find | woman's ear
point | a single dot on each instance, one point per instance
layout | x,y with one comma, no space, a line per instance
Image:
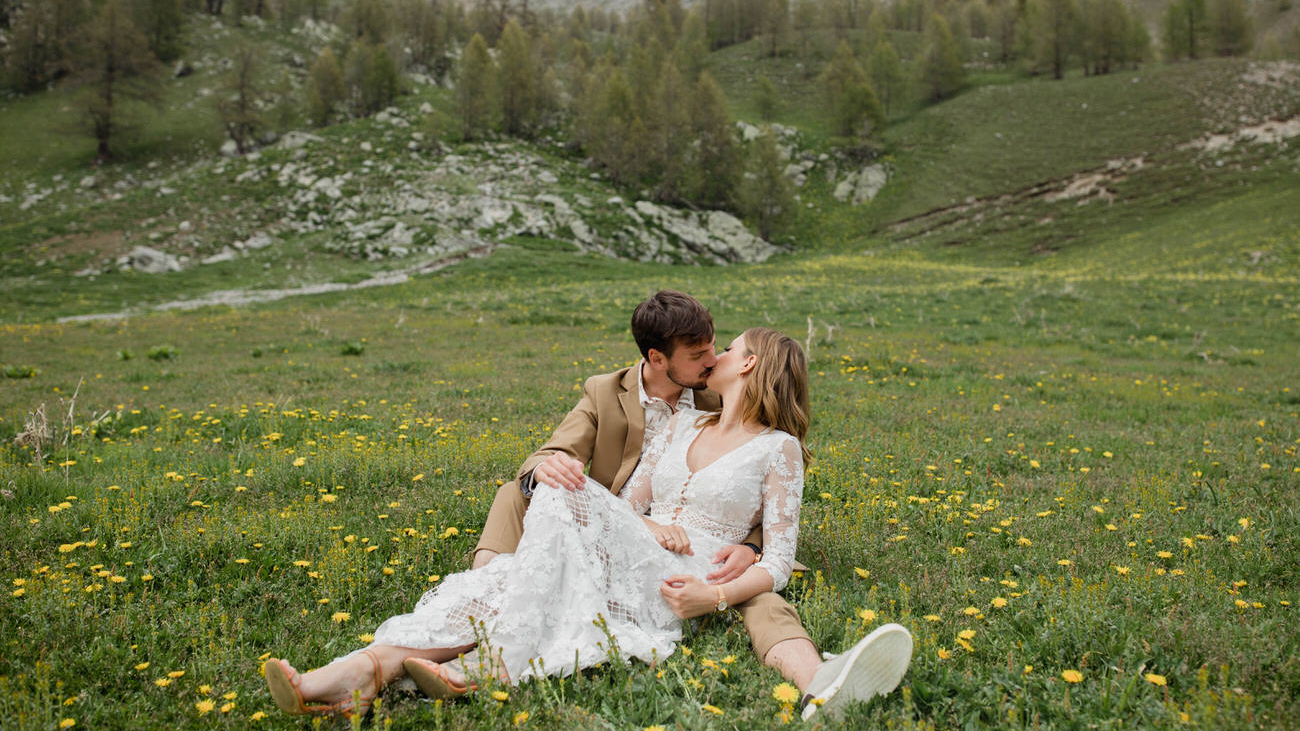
749,364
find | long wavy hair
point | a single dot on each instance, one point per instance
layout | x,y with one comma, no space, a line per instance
775,393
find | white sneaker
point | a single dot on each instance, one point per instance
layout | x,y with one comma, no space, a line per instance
872,667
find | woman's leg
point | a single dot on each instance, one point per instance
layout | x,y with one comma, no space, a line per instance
335,682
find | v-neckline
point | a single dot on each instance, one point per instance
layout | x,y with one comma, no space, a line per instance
686,460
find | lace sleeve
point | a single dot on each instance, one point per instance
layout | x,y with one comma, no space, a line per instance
638,490
782,495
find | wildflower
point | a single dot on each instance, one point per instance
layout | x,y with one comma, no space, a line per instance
232,695
176,674
1121,570
1034,463
967,634
205,706
785,693
146,577
998,602
867,615
1064,562
227,707
366,637
944,654
521,718
300,462
1154,679
711,709
257,716
340,617
418,477
931,618
1072,676
1243,522
162,682
970,611
1164,554
18,592
142,666
1024,541
67,723
205,689
862,573
451,531
500,695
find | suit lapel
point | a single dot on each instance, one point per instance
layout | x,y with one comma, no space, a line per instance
630,400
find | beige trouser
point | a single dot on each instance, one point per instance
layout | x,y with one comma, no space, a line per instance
769,619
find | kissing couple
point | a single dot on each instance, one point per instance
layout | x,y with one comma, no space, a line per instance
671,491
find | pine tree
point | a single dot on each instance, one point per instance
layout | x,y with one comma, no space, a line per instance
887,75
1231,27
325,89
240,96
1004,21
717,161
38,48
855,111
1057,34
775,25
477,95
766,197
941,65
1185,29
380,80
518,81
162,22
668,121
115,66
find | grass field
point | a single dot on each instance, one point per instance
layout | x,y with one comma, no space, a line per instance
1057,441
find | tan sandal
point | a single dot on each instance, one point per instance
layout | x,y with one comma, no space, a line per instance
283,682
433,680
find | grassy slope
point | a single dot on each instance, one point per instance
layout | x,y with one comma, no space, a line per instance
1116,399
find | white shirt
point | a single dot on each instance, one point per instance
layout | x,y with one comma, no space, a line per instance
657,413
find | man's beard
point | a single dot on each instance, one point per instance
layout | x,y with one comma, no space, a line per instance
676,377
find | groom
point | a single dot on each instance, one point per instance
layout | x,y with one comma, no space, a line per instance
618,416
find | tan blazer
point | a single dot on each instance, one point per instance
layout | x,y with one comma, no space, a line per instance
606,428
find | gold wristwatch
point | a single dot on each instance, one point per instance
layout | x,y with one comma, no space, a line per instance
722,600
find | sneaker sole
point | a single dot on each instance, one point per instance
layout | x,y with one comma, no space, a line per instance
876,666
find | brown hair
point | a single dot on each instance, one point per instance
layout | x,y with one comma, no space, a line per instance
668,319
776,392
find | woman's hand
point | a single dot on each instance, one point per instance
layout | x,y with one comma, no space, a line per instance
560,470
671,537
687,596
733,561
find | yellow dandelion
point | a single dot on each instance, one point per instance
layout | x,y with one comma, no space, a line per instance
1155,679
1064,562
418,477
500,695
711,709
162,682
931,618
146,577
867,615
300,462
1071,676
227,707
520,717
366,637
257,716
205,706
998,602
142,666
970,611
785,693
1164,554
1243,522
340,617
1121,570
232,695
943,654
18,592
862,573
967,634
1024,541
176,674
205,689
67,723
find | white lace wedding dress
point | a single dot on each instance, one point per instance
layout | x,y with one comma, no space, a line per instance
586,555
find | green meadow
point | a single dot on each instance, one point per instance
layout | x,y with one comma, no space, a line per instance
1056,440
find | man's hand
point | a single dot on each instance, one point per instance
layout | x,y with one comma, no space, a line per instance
687,596
735,560
560,470
671,537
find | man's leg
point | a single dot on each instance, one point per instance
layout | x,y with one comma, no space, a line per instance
779,638
504,526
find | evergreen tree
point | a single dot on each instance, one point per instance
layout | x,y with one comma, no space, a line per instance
421,28
1004,21
1057,34
668,121
692,46
325,89
1231,29
239,97
367,20
1185,29
517,81
38,47
941,64
115,66
887,75
162,22
380,80
854,109
766,197
775,25
1105,35
717,162
477,95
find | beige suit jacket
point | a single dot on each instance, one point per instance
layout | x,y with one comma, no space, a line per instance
606,429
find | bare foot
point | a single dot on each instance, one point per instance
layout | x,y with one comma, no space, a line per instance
335,682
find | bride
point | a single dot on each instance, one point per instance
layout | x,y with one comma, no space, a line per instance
595,569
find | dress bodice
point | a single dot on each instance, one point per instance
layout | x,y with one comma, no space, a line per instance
758,482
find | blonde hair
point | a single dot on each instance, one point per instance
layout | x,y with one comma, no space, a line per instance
776,392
